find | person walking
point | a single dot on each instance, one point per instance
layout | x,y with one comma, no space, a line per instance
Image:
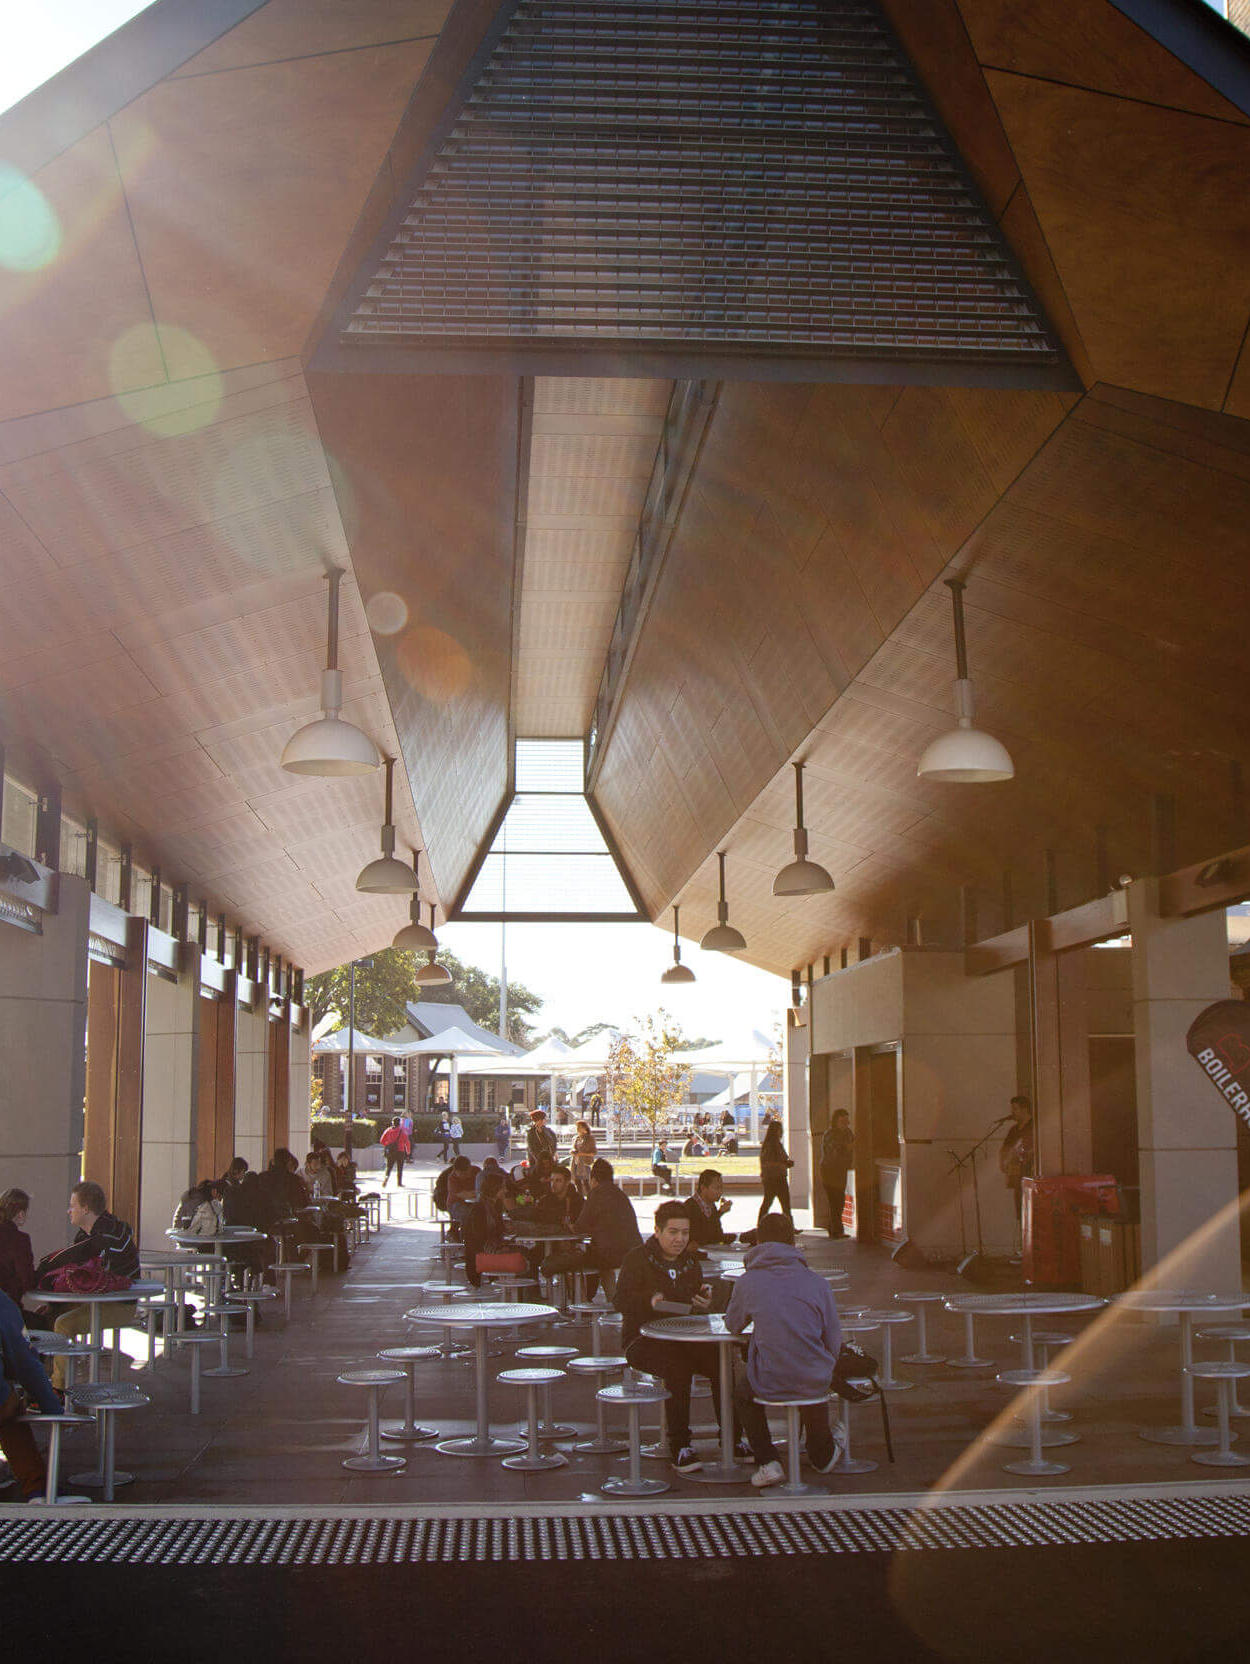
503,1136
584,1152
398,1147
774,1170
837,1150
443,1134
456,1133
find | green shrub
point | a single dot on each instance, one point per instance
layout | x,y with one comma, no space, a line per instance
332,1130
478,1129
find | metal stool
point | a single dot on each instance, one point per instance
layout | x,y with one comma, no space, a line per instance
54,1424
375,1380
314,1250
848,1463
223,1314
921,1298
1225,1375
549,1356
288,1269
532,1459
409,1357
970,1360
1048,1341
1022,1437
510,1284
633,1397
597,1317
1230,1334
793,1485
149,1312
253,1297
1034,1382
105,1399
195,1339
887,1318
448,1293
51,1345
602,1444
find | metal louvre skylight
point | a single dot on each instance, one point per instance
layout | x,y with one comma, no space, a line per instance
549,859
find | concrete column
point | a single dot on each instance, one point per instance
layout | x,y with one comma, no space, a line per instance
43,1025
170,1067
250,1066
797,1115
1059,1043
1186,1132
300,1081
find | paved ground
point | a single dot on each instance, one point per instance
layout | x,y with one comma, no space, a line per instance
279,1433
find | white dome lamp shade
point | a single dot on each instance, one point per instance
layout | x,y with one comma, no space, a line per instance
723,938
964,756
432,975
387,876
677,972
415,937
331,746
801,877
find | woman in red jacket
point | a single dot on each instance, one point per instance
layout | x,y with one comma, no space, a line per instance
17,1259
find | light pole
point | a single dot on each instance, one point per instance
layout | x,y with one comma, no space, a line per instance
351,1052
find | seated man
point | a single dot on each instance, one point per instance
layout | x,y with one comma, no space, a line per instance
461,1193
662,1271
610,1222
20,1367
99,1236
660,1168
794,1346
706,1209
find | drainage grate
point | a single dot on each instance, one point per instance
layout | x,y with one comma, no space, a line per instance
672,1535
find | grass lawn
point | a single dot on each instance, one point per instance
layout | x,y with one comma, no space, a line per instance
738,1167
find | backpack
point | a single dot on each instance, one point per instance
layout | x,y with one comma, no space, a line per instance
855,1380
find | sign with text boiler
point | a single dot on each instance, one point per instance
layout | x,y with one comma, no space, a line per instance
1219,1042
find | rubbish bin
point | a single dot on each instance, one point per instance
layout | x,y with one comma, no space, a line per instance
1051,1211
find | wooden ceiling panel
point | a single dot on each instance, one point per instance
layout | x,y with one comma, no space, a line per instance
307,28
1161,218
77,292
225,177
1093,46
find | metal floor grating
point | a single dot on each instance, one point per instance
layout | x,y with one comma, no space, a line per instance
257,1540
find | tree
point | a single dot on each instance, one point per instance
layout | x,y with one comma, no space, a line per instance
478,992
643,1077
386,983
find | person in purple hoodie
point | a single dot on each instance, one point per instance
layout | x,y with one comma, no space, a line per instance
794,1345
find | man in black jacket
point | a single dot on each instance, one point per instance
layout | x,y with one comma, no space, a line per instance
611,1224
666,1271
706,1209
99,1236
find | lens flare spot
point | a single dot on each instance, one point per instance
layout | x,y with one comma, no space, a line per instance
164,379
30,232
387,613
435,664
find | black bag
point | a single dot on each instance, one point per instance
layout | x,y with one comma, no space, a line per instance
855,1380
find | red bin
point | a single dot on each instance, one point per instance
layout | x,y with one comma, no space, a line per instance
1051,1211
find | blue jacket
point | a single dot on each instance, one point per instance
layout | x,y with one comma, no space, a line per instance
797,1336
20,1362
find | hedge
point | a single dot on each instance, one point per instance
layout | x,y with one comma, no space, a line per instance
368,1129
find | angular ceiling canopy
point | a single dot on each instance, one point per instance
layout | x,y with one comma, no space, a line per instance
698,178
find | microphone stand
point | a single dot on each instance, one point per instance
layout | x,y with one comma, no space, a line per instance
970,1264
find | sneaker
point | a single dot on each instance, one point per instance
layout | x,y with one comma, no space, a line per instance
770,1473
839,1450
686,1461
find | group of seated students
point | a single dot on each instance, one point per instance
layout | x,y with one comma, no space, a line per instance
103,1247
794,1342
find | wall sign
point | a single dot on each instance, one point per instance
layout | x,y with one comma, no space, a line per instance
1219,1042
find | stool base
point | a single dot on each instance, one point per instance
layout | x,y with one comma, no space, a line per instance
720,1473
95,1479
535,1464
494,1445
1220,1459
1180,1435
1023,1440
619,1485
1036,1470
410,1435
600,1447
848,1464
374,1464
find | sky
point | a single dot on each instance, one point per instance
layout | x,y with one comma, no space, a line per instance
611,974
40,39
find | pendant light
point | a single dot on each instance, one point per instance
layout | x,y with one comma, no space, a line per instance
386,876
723,938
331,746
677,972
432,975
414,937
801,877
964,756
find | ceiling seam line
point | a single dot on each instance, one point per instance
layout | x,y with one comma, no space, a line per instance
1120,97
295,58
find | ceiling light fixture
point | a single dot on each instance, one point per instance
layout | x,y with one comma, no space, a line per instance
801,877
964,756
386,876
723,938
677,972
414,937
432,975
331,746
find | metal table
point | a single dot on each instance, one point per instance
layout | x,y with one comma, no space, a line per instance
710,1326
481,1318
1187,1304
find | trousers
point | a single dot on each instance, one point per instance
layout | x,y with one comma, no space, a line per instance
754,1419
677,1363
